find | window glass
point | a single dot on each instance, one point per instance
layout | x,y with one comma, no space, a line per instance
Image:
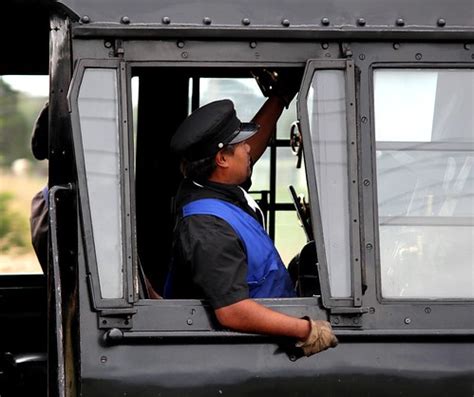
289,235
21,175
98,112
327,118
424,128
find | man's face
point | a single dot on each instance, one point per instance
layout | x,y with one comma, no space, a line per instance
240,163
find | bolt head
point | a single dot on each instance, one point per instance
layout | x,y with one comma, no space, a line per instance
85,19
361,22
207,21
166,20
325,21
441,22
125,20
246,21
400,22
285,22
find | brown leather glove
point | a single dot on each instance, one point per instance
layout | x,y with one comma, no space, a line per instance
320,338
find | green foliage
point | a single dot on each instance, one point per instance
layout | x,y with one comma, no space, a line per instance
17,115
13,226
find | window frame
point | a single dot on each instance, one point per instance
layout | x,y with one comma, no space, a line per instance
347,66
398,145
126,160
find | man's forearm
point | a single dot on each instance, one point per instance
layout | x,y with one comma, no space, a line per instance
266,117
250,316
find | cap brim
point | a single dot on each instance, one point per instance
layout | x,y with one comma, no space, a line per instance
246,130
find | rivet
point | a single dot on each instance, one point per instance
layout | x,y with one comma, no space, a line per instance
418,56
364,119
400,22
366,182
467,46
407,321
324,46
292,357
325,21
180,44
107,44
369,246
361,22
85,19
427,310
362,57
285,23
253,44
125,20
372,310
207,21
166,20
184,54
103,359
396,46
246,21
441,22
336,320
189,321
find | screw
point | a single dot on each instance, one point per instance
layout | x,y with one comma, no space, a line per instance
418,56
366,182
184,54
103,359
107,44
355,321
336,320
400,22
427,310
253,44
369,246
189,321
325,46
396,46
372,310
166,20
285,23
362,57
441,22
180,44
125,20
325,21
361,22
85,19
207,21
292,357
408,321
364,119
467,46
246,21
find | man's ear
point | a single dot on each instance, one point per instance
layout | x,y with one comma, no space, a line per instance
221,159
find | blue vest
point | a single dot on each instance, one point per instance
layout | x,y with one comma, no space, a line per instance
267,277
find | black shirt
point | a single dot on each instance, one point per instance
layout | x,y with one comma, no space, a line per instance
209,260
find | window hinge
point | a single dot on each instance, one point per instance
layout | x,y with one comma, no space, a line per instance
347,316
116,318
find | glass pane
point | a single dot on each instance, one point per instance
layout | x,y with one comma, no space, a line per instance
21,175
98,112
425,190
327,117
289,235
244,92
288,174
261,173
286,119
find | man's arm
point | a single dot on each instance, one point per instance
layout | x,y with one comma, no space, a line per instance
267,118
250,316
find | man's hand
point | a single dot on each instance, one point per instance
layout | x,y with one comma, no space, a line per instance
284,83
320,338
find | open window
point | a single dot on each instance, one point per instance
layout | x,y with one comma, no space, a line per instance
101,146
326,109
